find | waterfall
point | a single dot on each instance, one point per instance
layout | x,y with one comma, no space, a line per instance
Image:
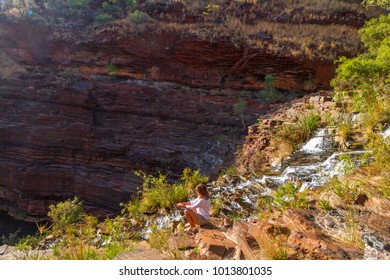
319,143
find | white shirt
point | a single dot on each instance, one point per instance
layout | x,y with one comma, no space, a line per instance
202,206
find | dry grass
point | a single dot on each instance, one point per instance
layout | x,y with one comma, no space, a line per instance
273,247
309,40
313,29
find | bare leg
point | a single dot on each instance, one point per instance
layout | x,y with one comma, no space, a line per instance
191,217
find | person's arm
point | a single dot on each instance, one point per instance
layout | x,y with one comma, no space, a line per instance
195,204
182,204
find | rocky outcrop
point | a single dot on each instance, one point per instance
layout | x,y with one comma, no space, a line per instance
257,152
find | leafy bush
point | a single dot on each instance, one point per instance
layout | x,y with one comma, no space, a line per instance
310,122
139,17
288,196
103,18
191,178
324,205
380,148
365,78
347,191
66,213
270,93
217,205
111,69
77,4
158,193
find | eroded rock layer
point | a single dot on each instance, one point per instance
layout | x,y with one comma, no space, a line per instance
82,111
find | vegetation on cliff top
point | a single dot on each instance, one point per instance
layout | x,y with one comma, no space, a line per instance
311,29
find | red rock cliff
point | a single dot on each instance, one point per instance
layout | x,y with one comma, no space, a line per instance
145,101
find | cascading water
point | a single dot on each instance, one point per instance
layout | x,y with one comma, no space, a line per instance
319,143
310,167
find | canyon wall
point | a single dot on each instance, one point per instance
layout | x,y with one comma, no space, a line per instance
135,101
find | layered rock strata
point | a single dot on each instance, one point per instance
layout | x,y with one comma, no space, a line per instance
85,108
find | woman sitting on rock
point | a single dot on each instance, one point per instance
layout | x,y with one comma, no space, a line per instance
201,204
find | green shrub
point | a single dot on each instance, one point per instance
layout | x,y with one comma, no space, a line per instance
365,78
159,238
135,209
191,178
288,196
139,17
77,4
66,213
103,18
111,69
347,191
310,122
297,133
217,205
158,193
269,93
349,164
324,205
380,150
343,131
28,242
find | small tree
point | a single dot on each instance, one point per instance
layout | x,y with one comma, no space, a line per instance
269,93
239,110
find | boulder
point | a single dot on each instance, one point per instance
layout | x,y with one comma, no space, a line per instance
215,245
